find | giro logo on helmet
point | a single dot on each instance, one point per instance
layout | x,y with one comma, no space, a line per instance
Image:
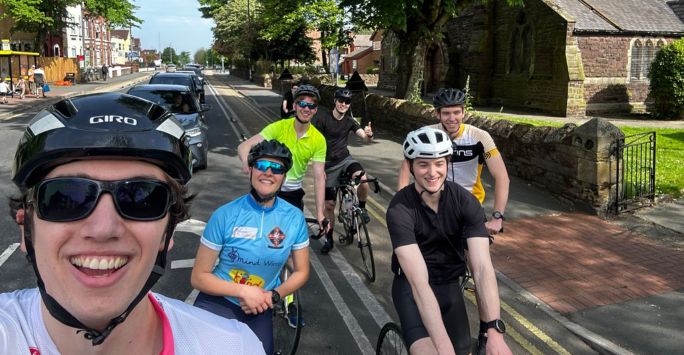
113,118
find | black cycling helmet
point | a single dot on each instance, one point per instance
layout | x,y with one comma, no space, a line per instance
343,93
448,97
270,149
307,89
92,127
97,125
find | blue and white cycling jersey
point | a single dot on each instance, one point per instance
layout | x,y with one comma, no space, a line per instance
254,242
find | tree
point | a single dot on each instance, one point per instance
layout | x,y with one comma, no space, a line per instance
417,24
667,81
169,56
45,17
200,56
324,16
183,58
149,58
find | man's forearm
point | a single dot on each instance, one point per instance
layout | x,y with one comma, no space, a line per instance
488,293
319,185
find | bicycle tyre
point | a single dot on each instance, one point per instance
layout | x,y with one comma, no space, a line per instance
365,247
286,338
345,238
391,341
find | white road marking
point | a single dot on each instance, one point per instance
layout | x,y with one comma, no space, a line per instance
8,252
182,264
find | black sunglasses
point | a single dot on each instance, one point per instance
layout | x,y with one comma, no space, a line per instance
344,101
66,199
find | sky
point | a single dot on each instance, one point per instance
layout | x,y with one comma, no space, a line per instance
174,23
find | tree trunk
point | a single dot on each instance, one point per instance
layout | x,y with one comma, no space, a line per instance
411,66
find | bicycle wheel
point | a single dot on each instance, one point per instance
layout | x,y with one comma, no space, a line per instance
365,246
287,326
390,341
342,216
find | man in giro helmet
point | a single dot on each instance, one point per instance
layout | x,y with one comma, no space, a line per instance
335,127
305,142
473,148
252,237
102,180
433,224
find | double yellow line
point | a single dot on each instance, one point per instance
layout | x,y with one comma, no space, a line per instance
378,211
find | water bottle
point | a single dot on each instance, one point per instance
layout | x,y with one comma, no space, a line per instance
348,204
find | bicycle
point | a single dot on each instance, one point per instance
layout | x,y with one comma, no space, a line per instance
287,324
349,214
391,341
287,314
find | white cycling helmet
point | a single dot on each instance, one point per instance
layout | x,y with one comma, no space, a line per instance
428,143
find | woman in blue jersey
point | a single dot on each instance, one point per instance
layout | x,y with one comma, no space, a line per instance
252,238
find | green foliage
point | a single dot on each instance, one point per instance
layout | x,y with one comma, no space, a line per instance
468,104
169,56
200,56
667,81
372,70
184,58
119,13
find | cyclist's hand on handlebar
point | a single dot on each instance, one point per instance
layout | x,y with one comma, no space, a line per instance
494,226
254,300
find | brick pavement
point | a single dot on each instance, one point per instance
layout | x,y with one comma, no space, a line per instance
574,261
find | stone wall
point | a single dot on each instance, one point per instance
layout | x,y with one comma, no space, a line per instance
573,163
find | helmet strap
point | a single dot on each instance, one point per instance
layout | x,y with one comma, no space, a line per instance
63,316
260,200
299,120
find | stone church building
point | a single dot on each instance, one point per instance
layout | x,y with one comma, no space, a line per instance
560,57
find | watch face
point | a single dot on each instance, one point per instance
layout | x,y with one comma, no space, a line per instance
497,215
500,326
275,297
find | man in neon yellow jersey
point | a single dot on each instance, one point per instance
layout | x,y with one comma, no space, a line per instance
306,144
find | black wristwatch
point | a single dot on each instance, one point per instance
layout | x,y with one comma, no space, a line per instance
498,215
275,296
497,324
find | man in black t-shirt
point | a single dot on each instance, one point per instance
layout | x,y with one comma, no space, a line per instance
434,226
287,105
335,127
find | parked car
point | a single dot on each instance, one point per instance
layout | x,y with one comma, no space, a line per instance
199,82
181,101
179,79
170,68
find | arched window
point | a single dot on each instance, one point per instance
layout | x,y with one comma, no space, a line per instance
649,55
521,49
643,54
635,66
56,51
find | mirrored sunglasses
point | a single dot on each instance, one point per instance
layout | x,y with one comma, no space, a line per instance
304,104
264,165
67,199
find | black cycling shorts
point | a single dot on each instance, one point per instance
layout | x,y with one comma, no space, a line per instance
294,197
452,307
351,169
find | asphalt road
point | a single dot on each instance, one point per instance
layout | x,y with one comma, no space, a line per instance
342,310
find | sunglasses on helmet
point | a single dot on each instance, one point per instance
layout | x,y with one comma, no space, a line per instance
344,101
304,104
67,199
264,165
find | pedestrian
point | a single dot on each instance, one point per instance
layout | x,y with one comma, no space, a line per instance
98,209
39,77
32,80
4,91
287,107
105,71
21,86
